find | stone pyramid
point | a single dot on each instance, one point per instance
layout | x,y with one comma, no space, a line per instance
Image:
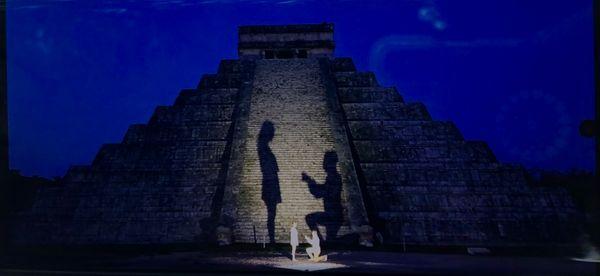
289,133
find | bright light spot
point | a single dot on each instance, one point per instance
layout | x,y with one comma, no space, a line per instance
309,266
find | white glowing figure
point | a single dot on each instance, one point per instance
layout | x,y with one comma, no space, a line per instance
314,251
294,240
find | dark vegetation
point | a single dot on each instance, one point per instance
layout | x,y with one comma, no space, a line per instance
581,186
24,188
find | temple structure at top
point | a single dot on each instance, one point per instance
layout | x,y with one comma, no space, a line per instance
289,133
286,41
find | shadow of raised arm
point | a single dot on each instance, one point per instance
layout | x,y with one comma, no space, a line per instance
315,189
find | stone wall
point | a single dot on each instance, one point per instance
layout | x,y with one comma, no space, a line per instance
314,39
161,184
428,186
289,133
264,143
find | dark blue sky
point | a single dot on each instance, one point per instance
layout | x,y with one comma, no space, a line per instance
517,74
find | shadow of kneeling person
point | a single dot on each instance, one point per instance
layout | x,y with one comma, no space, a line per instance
331,193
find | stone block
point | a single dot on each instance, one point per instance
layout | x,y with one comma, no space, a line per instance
343,65
355,79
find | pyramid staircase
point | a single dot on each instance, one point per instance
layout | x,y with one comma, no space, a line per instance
195,166
291,95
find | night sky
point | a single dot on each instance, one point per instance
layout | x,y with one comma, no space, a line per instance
517,74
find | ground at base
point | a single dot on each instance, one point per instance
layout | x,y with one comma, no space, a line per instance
278,261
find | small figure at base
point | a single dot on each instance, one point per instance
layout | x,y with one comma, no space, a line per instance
294,240
314,251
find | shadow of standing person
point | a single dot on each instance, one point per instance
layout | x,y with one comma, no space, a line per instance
271,194
331,192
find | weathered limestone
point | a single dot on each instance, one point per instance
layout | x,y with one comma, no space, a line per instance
272,140
426,185
291,95
287,41
160,185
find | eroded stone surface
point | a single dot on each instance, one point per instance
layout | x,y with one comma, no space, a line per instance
429,186
290,95
157,186
201,171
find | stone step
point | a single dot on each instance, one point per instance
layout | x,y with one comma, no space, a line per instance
451,198
205,175
281,234
174,155
461,151
368,94
343,64
157,186
435,165
116,231
478,228
290,97
447,188
431,202
424,142
94,171
234,66
171,205
392,111
408,131
399,174
214,81
203,131
355,79
190,114
209,96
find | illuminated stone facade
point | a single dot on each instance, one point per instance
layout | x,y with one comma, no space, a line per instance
289,133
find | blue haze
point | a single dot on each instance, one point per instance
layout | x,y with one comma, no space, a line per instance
517,74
